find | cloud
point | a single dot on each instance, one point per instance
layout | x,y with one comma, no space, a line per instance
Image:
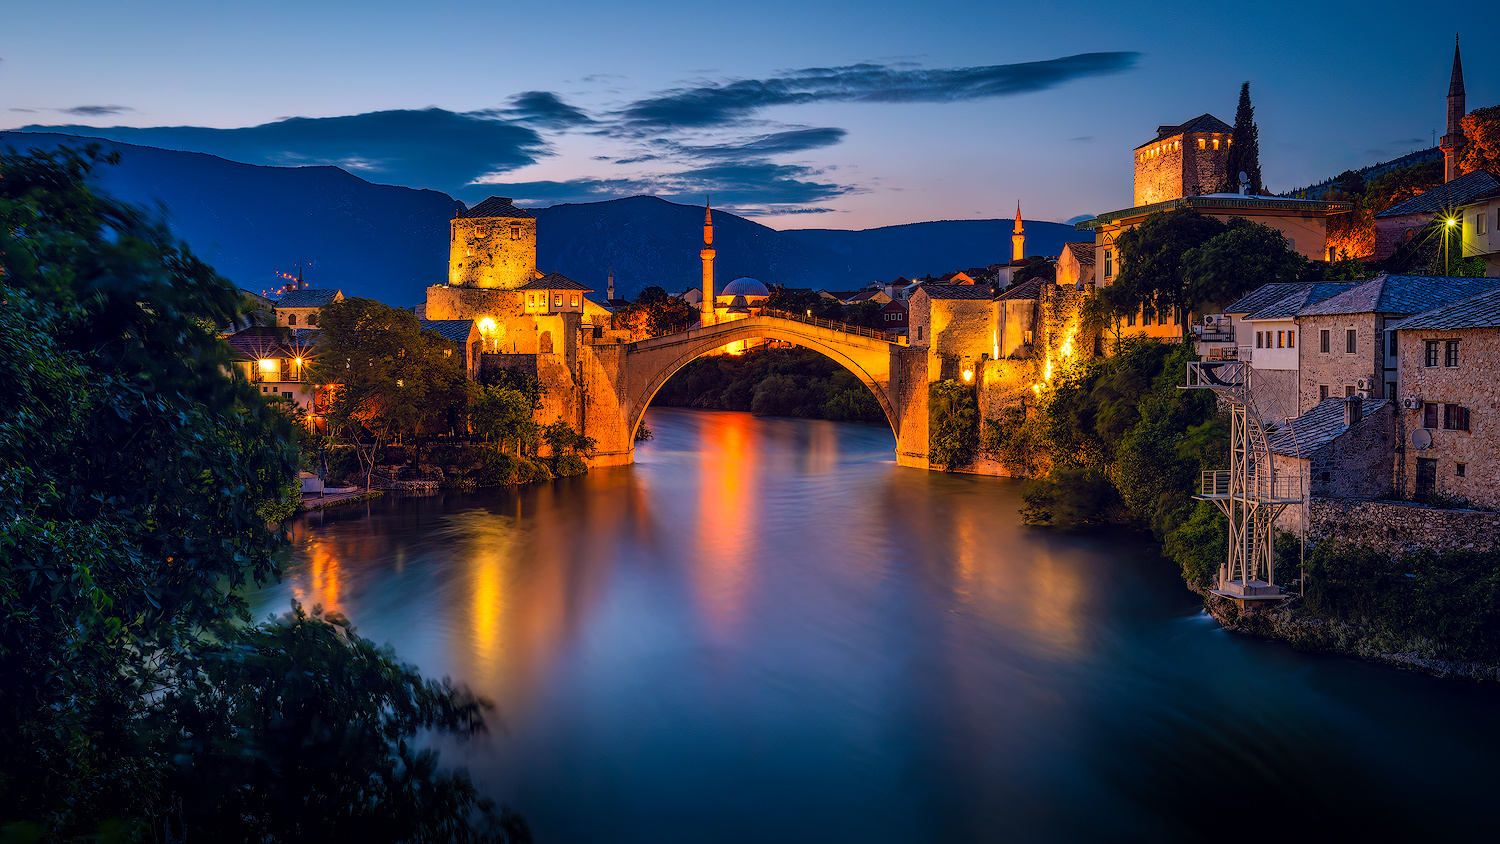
722,103
794,140
540,108
95,110
758,187
427,148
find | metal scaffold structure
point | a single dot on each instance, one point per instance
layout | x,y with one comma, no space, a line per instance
1249,493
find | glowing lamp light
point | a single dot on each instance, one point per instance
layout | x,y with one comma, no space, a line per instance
487,325
968,375
267,365
1450,222
299,361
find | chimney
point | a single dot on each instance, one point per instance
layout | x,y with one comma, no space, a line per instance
1351,411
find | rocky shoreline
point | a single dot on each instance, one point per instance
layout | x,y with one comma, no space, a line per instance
1283,620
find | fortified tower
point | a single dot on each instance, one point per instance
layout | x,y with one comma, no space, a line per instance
1453,142
493,246
707,254
1186,160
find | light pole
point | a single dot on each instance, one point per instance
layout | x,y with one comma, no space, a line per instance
1448,225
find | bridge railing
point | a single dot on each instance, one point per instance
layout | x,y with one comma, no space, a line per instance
845,327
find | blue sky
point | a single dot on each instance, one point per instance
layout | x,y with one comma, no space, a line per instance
799,114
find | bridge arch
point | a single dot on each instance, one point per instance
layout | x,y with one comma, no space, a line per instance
651,363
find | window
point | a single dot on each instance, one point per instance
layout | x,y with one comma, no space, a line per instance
1216,143
481,231
1259,341
557,300
1482,222
1426,477
1322,391
1348,390
1109,263
1455,418
1202,143
1390,390
1430,352
531,298
312,318
919,332
572,301
1130,319
291,319
1450,353
1429,415
1323,341
1349,341
515,231
1392,351
1459,469
1291,339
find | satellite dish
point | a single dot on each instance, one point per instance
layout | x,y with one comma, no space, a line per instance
1421,438
1244,178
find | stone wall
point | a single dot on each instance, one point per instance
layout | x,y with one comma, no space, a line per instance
1357,465
494,362
961,327
492,252
1174,167
1391,232
1337,368
1471,384
1397,527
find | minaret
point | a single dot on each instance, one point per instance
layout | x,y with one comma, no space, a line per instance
707,254
1018,240
610,296
1453,142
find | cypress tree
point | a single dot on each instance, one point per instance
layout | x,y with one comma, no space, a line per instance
1244,146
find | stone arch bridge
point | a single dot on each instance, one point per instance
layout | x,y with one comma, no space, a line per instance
618,380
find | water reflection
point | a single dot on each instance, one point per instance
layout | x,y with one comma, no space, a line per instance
765,630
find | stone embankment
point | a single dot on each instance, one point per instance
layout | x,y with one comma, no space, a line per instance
1283,620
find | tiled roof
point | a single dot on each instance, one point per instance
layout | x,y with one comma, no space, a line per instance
457,330
1446,197
1304,296
1260,297
554,281
1318,427
1401,294
495,206
306,298
1479,311
1083,252
1025,290
865,294
1201,123
956,291
266,342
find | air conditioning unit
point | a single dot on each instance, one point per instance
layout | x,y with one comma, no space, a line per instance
1210,319
1412,403
1364,385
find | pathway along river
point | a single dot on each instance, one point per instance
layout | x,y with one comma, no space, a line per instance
765,630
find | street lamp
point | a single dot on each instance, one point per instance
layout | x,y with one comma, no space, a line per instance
1448,226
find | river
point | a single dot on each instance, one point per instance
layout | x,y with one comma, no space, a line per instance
765,630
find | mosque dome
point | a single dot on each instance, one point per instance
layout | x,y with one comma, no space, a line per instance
745,287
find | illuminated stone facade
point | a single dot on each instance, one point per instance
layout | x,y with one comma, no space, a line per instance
492,246
1185,160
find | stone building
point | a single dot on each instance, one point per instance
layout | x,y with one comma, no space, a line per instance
1265,332
1451,401
299,308
1184,160
1403,221
1075,266
1345,348
1341,448
275,361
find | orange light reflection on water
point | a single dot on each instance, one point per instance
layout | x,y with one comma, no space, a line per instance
728,516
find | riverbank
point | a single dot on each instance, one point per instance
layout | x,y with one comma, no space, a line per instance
1286,621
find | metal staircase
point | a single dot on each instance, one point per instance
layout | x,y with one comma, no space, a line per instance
1248,493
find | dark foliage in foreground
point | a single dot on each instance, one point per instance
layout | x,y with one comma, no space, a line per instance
137,481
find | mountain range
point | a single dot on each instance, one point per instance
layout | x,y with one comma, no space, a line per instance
254,223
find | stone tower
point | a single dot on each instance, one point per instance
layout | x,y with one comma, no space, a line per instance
707,254
1018,240
1187,160
1453,142
492,245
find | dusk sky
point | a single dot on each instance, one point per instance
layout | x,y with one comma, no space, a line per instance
799,114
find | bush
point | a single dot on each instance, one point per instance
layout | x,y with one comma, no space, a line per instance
570,464
953,424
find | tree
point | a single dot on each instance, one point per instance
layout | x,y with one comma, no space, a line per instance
1396,186
1151,271
1037,266
502,414
1244,146
385,376
954,424
1244,257
655,313
1482,133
